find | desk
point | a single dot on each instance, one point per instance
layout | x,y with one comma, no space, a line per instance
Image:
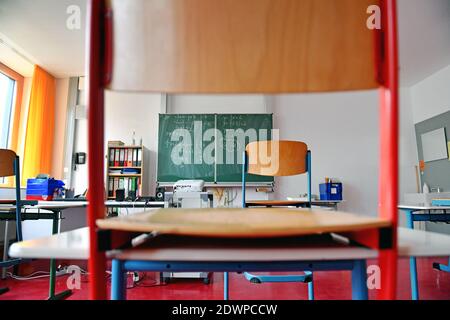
108,204
40,210
33,212
320,203
75,245
293,202
417,212
134,204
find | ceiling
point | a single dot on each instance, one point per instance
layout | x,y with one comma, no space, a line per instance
424,38
37,29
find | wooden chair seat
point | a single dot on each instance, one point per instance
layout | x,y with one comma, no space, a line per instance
242,223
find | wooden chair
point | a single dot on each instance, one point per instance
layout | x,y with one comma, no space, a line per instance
277,158
286,158
9,166
215,46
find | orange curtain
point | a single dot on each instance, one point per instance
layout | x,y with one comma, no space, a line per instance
40,125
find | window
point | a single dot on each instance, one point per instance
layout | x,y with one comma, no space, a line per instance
7,95
11,89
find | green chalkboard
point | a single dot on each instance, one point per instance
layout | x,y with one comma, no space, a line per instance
208,146
178,157
238,130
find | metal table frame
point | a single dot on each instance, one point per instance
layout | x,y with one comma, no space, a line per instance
121,267
412,214
55,215
55,209
411,243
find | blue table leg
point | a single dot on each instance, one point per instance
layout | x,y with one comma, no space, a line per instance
118,281
442,267
311,288
446,268
359,280
225,286
412,260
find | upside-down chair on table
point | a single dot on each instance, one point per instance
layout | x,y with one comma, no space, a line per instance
220,47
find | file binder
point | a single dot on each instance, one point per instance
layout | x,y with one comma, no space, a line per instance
139,157
122,157
130,158
111,187
116,186
125,170
116,157
111,157
135,152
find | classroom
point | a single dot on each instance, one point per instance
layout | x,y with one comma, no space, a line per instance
224,150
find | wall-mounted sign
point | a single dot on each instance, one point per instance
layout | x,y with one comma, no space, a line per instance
434,145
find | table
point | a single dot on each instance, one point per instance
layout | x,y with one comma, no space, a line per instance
108,204
33,212
195,256
238,223
294,202
320,203
420,212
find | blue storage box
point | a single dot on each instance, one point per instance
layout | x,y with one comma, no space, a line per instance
42,189
440,202
330,191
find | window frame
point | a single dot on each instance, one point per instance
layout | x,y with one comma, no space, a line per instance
13,139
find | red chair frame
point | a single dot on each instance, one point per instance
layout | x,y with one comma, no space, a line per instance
99,73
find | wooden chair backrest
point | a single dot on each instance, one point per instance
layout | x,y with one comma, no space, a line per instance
277,158
242,46
7,158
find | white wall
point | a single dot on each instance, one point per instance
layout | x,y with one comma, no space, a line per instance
124,113
244,103
341,130
62,92
431,96
80,175
408,156
128,112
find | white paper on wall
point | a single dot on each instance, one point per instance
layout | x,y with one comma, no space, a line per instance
434,145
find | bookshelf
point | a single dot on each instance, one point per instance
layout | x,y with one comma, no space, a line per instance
124,170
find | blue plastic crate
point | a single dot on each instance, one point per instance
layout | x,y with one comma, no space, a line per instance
42,189
440,202
330,191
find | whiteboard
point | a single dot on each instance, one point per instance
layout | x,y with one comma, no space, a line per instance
434,145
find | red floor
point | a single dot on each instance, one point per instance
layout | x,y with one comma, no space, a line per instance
328,285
